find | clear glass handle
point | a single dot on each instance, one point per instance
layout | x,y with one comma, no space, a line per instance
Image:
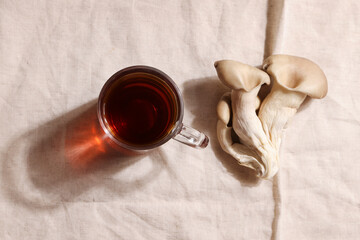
191,137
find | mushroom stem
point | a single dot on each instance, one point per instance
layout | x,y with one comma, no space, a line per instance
248,127
276,110
241,153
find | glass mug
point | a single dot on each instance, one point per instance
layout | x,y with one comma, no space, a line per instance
141,108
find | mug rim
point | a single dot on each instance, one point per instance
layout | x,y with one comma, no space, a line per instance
153,71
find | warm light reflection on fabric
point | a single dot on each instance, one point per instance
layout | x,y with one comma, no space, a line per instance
87,144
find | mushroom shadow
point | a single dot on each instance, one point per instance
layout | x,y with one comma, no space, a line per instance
201,97
67,157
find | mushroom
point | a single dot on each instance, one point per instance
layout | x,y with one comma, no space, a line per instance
294,78
245,82
241,153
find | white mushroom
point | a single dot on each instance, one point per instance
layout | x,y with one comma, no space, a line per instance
245,82
241,153
294,78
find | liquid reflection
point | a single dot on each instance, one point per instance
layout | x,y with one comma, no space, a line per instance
87,145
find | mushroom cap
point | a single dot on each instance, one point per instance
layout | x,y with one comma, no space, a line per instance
237,75
223,108
297,74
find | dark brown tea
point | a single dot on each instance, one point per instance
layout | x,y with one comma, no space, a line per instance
140,109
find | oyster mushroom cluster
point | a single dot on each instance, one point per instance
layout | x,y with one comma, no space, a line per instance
258,135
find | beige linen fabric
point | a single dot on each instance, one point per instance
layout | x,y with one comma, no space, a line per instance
60,181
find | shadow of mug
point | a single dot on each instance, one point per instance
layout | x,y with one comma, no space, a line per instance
66,157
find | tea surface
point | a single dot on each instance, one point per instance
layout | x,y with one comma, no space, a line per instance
139,111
